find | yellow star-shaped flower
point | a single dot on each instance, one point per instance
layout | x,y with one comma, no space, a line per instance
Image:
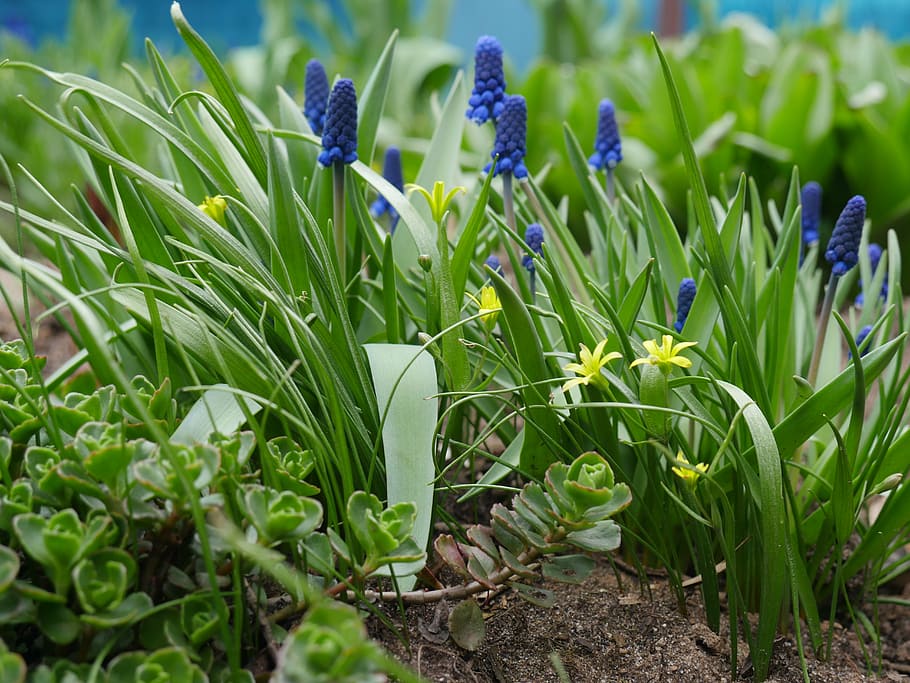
214,208
666,355
689,474
489,305
589,367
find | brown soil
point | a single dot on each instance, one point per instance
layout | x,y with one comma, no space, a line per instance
600,631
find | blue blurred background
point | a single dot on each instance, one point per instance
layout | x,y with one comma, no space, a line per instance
234,23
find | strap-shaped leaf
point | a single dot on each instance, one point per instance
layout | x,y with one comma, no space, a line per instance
404,379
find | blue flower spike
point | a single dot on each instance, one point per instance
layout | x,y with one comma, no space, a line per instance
391,171
607,146
534,240
486,101
684,302
509,149
339,137
493,263
339,148
842,252
811,200
875,257
843,248
860,338
316,95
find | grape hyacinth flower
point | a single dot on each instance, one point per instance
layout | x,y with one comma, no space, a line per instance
339,136
509,151
860,338
316,95
811,200
391,171
510,146
534,240
875,257
843,247
842,251
339,148
493,264
684,302
607,145
486,101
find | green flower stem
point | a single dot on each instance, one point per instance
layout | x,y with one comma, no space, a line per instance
611,190
823,320
508,202
338,196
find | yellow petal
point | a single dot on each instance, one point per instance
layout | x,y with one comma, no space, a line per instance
681,346
455,190
575,367
639,361
681,361
651,347
414,187
585,355
575,381
613,355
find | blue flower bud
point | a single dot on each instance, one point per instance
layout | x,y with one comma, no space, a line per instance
860,338
844,244
316,90
486,101
607,146
339,137
684,302
511,132
811,200
493,263
391,171
875,257
534,240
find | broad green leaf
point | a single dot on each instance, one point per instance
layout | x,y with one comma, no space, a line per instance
9,567
58,623
466,625
133,609
404,379
568,568
218,410
12,668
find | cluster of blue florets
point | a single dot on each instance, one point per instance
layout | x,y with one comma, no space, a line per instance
339,137
486,102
